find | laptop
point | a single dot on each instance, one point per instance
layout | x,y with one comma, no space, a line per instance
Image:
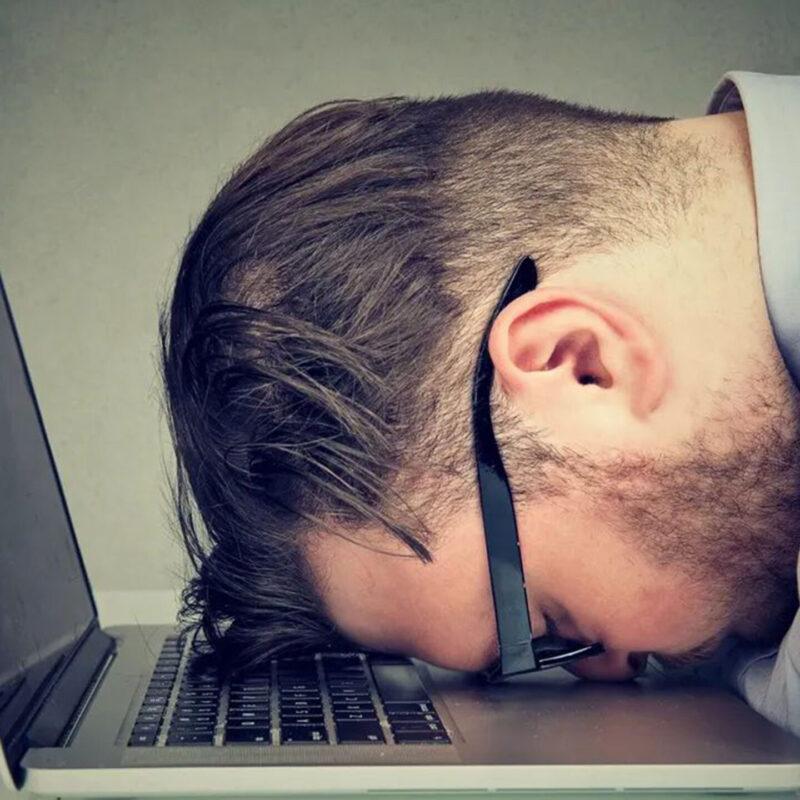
130,710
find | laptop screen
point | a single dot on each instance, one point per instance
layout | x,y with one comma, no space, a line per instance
45,601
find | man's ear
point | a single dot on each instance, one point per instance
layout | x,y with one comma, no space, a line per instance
578,364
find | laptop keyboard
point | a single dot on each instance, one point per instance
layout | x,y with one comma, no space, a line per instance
323,699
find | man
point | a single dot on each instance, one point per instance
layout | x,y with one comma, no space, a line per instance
318,355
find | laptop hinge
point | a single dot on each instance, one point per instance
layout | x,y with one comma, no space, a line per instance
45,719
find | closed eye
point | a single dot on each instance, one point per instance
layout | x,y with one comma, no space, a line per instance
551,629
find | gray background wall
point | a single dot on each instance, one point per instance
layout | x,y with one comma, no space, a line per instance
120,119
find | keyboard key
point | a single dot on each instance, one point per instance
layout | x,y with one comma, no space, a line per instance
343,660
307,708
360,700
352,706
200,680
241,724
247,705
359,675
261,719
198,690
265,683
300,702
353,715
195,696
286,713
298,686
359,732
250,695
199,670
196,711
408,708
142,740
303,733
362,697
426,737
148,718
295,719
242,715
255,686
344,669
156,686
145,727
406,727
413,717
262,674
155,698
198,730
182,718
197,702
295,672
194,714
192,686
152,708
348,691
305,695
194,719
350,683
258,711
290,711
189,739
296,661
287,678
247,736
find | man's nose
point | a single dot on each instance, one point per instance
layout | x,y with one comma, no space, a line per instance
613,665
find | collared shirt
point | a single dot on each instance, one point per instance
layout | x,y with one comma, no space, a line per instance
769,678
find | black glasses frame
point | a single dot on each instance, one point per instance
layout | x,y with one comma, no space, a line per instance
519,651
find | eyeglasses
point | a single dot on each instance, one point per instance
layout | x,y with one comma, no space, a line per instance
519,651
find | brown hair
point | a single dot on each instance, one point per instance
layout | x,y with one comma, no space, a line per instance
319,344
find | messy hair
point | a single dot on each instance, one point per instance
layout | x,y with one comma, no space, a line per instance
318,346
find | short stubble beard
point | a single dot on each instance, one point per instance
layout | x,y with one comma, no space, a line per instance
729,520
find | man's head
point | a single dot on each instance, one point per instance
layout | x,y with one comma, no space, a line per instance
318,355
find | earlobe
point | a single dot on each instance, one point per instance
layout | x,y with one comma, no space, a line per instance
570,346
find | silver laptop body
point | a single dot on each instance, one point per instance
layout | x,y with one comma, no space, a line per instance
123,711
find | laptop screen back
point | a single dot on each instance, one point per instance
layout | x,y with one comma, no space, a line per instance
45,601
